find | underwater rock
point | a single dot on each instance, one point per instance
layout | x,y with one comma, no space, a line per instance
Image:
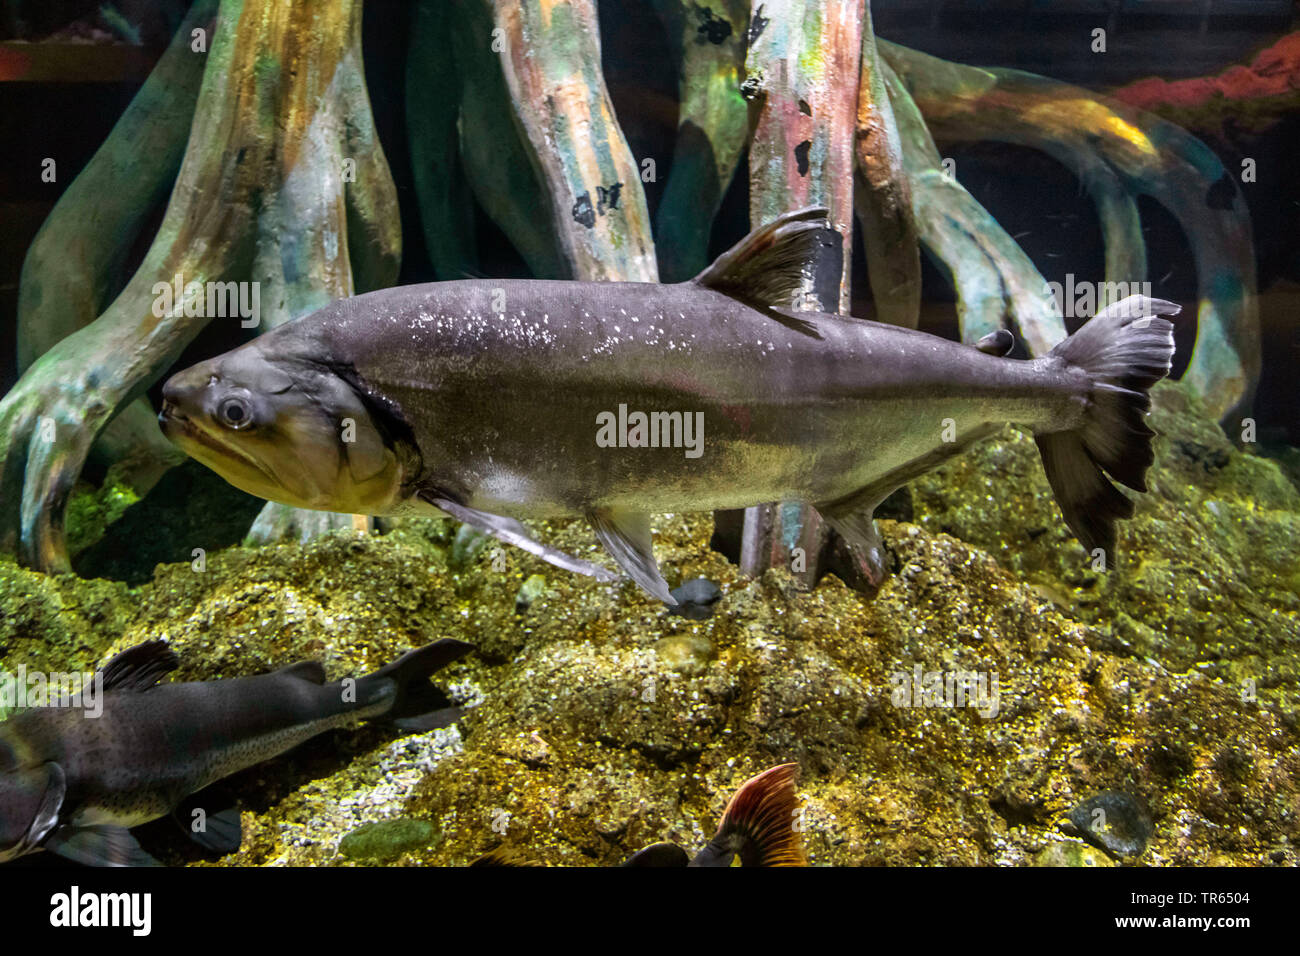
57,622
190,507
387,840
529,749
469,544
1071,854
685,653
695,599
1114,821
532,588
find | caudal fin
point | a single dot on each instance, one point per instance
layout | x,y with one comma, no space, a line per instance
416,704
1125,349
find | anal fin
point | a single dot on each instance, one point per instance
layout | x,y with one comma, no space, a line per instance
851,516
220,831
626,536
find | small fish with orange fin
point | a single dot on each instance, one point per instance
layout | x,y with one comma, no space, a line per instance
758,826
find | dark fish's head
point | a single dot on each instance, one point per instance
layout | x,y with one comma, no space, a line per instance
30,800
284,427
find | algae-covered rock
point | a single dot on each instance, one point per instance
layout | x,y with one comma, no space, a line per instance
685,653
532,588
1207,572
58,622
92,510
386,840
1071,854
1115,821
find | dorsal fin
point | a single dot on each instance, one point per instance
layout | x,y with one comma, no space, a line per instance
140,667
776,265
311,671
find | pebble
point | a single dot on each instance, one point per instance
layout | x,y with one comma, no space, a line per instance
1115,821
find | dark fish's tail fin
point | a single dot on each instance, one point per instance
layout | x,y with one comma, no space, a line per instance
417,704
1124,349
760,824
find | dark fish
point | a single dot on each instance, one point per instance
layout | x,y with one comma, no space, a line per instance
495,400
75,785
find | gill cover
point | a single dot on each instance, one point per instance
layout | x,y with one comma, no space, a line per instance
30,800
362,442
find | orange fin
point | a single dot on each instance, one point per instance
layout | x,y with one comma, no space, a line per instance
505,856
759,824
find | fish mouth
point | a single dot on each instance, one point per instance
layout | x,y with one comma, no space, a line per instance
169,415
179,428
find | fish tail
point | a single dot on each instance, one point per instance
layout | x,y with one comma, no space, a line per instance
760,824
415,703
1124,350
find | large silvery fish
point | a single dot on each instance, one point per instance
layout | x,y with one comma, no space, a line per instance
74,784
494,400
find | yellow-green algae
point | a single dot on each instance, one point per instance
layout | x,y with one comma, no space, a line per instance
1208,571
586,737
91,510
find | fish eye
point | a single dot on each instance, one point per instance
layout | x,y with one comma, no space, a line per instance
234,413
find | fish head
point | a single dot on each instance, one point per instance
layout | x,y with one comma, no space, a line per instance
30,801
280,425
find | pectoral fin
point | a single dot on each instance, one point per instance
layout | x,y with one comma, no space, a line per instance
512,532
30,803
100,845
626,536
433,720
